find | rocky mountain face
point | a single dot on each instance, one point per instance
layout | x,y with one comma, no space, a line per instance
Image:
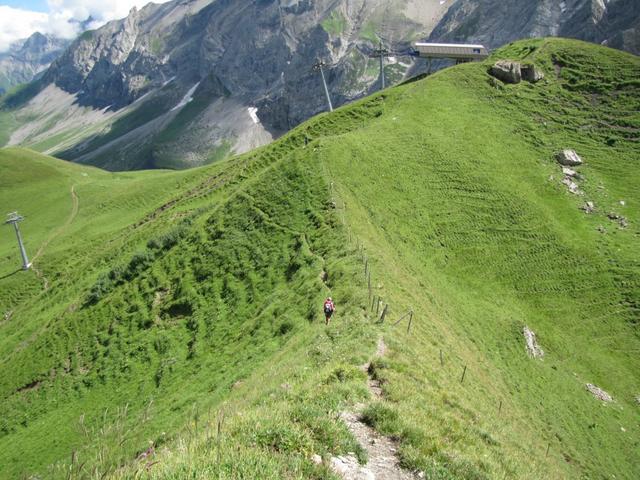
615,23
176,80
28,58
190,81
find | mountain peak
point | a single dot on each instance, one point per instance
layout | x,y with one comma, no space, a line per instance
28,58
36,37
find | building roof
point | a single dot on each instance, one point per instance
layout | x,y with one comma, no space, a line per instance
448,45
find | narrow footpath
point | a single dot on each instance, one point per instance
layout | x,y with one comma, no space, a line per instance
381,451
75,206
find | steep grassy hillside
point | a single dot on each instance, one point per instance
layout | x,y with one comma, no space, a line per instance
181,309
460,202
157,304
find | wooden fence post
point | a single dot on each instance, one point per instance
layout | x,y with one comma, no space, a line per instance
220,419
463,374
384,313
410,319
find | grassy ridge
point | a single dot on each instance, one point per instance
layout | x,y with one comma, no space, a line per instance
194,302
171,326
459,200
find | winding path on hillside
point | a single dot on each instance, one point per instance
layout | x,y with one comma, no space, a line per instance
75,206
381,451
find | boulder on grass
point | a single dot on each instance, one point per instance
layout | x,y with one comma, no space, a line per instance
507,71
571,185
531,73
533,349
568,158
588,207
599,393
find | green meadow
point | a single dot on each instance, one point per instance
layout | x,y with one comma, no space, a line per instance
172,325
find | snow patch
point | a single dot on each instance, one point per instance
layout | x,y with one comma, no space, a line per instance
187,98
253,113
168,81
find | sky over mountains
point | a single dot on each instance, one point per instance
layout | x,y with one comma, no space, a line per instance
62,18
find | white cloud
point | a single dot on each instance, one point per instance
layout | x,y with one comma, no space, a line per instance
101,11
16,24
62,18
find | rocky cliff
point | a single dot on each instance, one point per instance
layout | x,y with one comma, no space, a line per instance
190,81
615,23
28,58
228,75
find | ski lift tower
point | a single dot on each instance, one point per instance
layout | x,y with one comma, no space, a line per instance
382,53
318,67
14,218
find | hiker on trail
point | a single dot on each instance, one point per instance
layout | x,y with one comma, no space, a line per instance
329,308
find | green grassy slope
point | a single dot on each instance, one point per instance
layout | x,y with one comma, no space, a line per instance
173,319
180,302
456,201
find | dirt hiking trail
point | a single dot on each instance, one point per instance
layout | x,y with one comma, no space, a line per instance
381,451
75,206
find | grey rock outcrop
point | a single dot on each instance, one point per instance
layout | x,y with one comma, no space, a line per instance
598,393
513,72
571,186
622,221
531,73
26,59
568,158
533,349
507,71
615,23
588,207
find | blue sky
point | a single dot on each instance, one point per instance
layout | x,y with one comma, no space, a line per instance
35,5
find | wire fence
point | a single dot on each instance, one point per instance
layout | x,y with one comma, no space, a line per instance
379,310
